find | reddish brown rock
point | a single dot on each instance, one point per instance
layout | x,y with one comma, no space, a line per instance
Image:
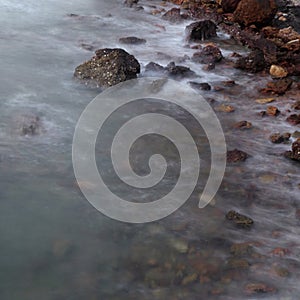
258,288
236,156
229,6
132,40
209,54
293,119
257,12
278,138
239,219
272,111
242,125
295,153
277,87
254,62
174,16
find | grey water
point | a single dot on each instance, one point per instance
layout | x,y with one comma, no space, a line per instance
55,245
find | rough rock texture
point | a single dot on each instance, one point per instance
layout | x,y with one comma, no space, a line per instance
209,54
257,12
295,153
239,219
109,67
277,87
201,30
131,3
229,6
253,63
236,156
30,125
174,16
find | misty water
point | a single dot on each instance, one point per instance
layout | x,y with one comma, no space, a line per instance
55,245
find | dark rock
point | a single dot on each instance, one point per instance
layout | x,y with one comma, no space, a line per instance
236,156
294,119
295,153
179,71
131,3
30,125
272,111
154,67
200,86
229,83
201,30
254,62
243,125
239,219
258,288
132,40
241,249
229,6
174,16
209,54
109,67
278,138
278,87
257,12
296,105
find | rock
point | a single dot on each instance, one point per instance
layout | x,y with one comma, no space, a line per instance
201,30
189,279
174,16
239,219
158,277
241,249
225,108
278,87
254,62
293,119
278,72
296,105
229,83
229,6
30,125
278,138
179,71
154,67
209,54
109,67
200,86
265,100
295,153
235,263
258,12
236,156
280,252
180,245
272,111
258,288
243,125
132,40
131,3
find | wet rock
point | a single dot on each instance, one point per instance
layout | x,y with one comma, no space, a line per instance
131,3
200,86
258,288
225,108
243,125
201,30
235,263
229,83
132,40
272,111
174,16
209,54
179,71
256,12
189,279
239,219
295,153
296,105
241,249
278,87
280,252
159,277
236,156
254,62
278,72
109,67
293,119
154,67
229,6
278,138
264,100
30,125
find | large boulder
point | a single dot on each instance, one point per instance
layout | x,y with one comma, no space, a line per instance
108,67
201,30
258,12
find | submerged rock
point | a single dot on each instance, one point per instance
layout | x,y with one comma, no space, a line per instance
278,87
278,71
200,86
243,125
278,138
131,3
257,12
109,67
258,288
30,125
174,16
239,219
201,30
236,156
132,40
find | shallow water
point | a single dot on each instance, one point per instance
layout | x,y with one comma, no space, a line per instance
55,245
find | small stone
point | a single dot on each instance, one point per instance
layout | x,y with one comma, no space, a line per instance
295,153
132,40
189,279
272,111
239,219
241,249
242,125
278,138
236,156
264,100
225,108
229,83
235,263
200,86
293,119
296,105
258,288
278,72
